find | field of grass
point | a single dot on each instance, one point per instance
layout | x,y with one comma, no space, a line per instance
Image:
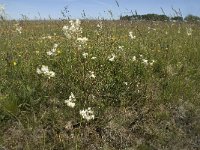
109,85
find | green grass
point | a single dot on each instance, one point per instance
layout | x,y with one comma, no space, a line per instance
136,105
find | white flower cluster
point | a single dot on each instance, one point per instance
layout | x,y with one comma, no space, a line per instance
112,57
134,58
147,62
131,35
189,31
100,25
18,28
74,30
71,101
85,55
143,60
93,58
92,75
53,50
81,40
87,114
121,48
46,37
45,70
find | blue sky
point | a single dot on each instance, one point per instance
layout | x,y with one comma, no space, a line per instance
96,8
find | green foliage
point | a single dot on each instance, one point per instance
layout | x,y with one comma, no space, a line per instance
148,17
177,18
192,18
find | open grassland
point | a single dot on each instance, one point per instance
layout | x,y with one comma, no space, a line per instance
99,85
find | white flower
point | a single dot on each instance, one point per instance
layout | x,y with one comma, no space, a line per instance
121,48
74,30
70,104
152,63
71,101
91,74
134,58
53,50
18,28
85,55
131,35
65,29
55,46
82,40
87,114
50,74
38,71
111,57
100,25
45,70
50,53
93,58
46,37
126,83
145,61
189,31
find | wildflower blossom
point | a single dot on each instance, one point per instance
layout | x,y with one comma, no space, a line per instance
82,40
145,61
50,53
53,50
93,58
189,31
134,58
152,63
126,83
46,37
100,25
18,28
121,48
71,101
74,30
91,74
45,70
111,57
87,114
85,55
131,35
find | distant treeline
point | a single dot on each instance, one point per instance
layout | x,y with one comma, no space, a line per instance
156,17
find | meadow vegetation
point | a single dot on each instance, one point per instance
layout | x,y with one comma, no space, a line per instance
101,84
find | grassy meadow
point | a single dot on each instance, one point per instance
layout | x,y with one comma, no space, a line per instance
99,85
